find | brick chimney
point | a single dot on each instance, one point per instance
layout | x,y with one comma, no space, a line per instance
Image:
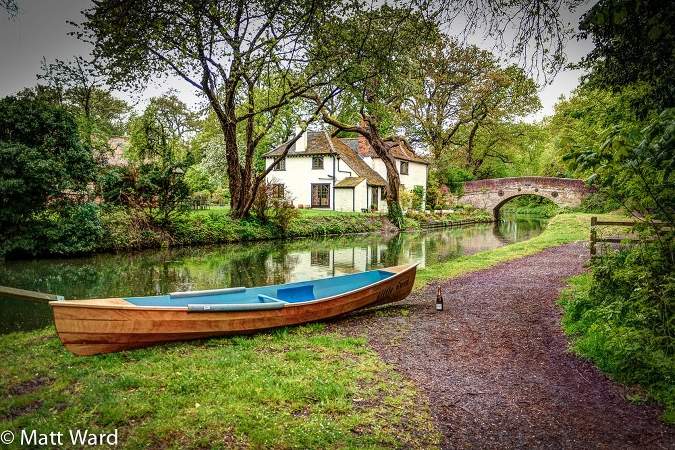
364,146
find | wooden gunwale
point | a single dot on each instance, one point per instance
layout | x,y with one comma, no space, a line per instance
120,303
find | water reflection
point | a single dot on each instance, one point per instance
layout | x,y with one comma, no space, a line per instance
251,264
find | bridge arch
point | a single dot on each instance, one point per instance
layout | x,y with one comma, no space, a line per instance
497,208
492,194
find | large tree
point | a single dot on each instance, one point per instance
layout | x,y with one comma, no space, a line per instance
227,51
378,81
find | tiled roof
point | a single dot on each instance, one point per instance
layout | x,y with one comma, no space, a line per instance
317,144
320,143
349,182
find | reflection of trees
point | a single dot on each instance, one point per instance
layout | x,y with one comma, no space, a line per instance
248,264
500,231
392,254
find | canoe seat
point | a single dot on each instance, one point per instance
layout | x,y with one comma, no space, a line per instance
296,293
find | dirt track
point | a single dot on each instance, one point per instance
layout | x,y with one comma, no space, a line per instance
495,364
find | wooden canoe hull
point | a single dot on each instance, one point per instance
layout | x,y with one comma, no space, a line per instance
89,327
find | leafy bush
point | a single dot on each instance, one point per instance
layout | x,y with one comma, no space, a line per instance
273,206
417,202
622,316
43,164
64,228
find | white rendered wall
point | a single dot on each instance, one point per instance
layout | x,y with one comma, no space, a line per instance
344,199
417,174
299,177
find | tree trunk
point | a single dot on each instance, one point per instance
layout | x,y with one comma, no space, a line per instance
393,180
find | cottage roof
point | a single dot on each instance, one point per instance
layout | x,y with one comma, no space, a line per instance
320,143
349,182
399,148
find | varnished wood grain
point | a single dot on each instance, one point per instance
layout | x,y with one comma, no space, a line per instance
89,327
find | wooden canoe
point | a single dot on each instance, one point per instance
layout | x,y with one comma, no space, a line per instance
89,327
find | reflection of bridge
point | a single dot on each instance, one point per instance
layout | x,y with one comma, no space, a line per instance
493,193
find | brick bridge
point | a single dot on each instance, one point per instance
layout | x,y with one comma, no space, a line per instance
492,194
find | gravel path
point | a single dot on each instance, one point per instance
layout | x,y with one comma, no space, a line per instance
495,364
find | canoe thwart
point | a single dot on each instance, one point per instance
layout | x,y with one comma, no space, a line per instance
296,293
262,298
225,307
188,294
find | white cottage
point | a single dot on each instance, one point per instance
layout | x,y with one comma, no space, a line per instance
343,174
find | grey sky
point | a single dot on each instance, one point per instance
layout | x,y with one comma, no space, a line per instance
40,30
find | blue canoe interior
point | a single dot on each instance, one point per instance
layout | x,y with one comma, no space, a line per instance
263,297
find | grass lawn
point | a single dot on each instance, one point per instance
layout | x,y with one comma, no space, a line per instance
292,388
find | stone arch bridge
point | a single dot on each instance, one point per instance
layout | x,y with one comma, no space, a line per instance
492,194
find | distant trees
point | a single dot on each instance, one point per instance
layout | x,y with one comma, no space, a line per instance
153,183
464,103
82,90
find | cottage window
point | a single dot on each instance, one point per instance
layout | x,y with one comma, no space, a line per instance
281,165
404,168
317,162
383,193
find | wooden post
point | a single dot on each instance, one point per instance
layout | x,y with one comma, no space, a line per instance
594,221
22,294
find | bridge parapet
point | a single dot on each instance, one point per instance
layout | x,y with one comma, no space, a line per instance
491,194
540,182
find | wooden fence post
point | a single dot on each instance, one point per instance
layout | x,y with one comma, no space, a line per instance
594,236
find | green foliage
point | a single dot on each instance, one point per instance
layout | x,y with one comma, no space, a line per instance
197,179
292,388
453,177
634,43
42,161
622,316
78,86
159,153
531,204
634,165
417,202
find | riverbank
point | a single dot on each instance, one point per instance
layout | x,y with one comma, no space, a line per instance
215,226
308,387
561,229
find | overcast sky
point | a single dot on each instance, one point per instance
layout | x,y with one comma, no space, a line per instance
40,30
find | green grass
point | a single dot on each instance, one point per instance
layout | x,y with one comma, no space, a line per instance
561,229
297,388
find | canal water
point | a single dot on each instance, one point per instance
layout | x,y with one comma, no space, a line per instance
250,264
